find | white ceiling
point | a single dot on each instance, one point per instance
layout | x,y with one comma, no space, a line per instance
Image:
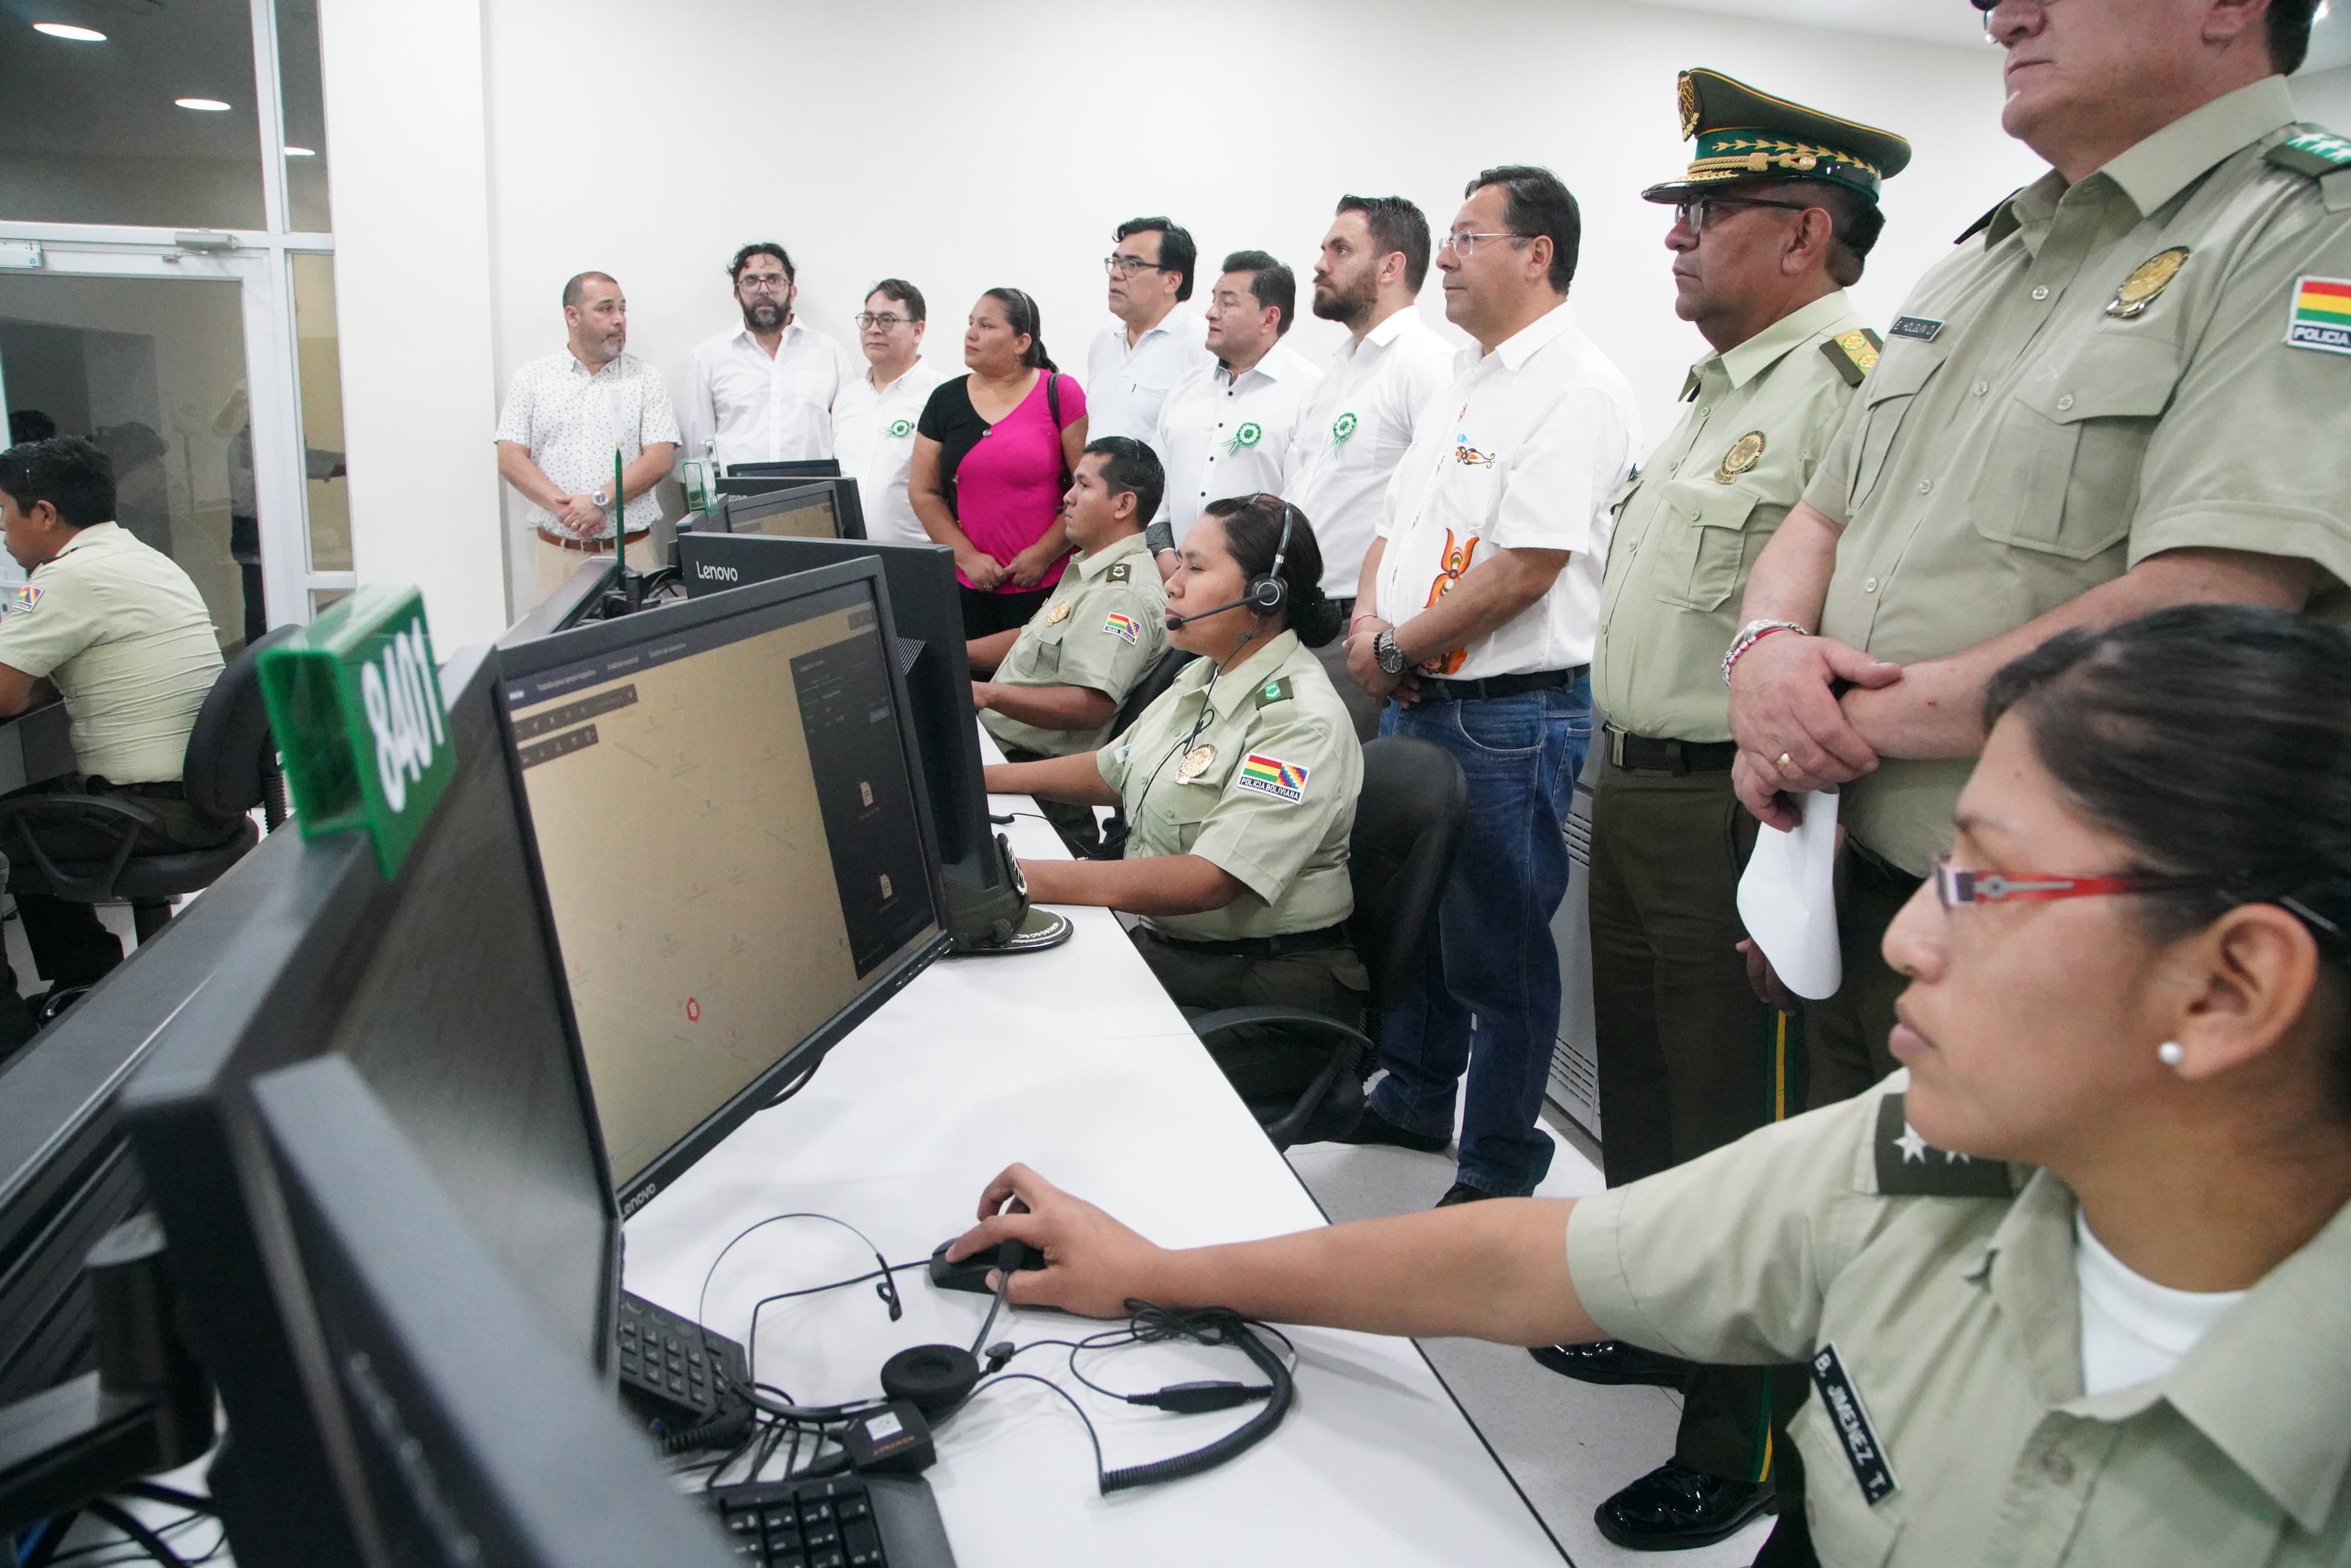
1954,21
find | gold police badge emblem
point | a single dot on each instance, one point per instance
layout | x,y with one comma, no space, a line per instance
1689,107
1196,761
2146,283
1744,454
1059,614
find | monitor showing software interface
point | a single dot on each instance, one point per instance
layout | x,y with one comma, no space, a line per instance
732,847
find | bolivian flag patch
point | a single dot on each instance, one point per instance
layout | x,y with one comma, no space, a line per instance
1122,626
1273,776
2322,315
27,597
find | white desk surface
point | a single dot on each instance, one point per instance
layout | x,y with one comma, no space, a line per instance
1075,1061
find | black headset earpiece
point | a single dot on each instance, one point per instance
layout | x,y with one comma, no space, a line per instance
1266,594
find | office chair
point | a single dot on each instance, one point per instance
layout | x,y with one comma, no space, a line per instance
230,767
1408,823
1154,686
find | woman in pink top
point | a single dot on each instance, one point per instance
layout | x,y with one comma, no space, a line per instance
993,453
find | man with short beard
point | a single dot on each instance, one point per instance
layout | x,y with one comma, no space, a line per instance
1358,424
765,393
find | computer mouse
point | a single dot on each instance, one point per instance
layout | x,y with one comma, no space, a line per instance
971,1274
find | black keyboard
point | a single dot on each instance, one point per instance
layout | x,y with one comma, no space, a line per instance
850,1521
674,1373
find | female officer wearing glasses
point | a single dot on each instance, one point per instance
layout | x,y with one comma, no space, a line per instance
1239,786
2072,1288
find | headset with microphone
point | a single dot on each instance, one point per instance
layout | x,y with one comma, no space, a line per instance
1266,594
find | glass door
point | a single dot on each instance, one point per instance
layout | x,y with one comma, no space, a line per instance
150,353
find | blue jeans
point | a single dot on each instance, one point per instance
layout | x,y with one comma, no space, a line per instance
1488,995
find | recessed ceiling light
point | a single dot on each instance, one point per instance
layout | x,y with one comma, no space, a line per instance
68,30
209,105
301,153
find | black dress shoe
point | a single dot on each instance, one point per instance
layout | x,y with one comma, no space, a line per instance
1612,1361
1462,1192
1375,1128
1674,1507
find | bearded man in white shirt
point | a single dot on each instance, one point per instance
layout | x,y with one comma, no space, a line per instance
1358,422
764,394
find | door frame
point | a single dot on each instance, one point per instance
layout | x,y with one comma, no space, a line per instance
261,264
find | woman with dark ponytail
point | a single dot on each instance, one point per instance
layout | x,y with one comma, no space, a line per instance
993,454
1238,788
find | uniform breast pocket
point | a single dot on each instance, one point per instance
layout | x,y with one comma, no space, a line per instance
1039,654
1181,814
1846,1528
2064,477
1701,542
1887,396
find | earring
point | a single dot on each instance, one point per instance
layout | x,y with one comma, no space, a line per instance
2171,1053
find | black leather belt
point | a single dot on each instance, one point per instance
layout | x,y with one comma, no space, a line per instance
1261,947
1646,754
154,789
1434,690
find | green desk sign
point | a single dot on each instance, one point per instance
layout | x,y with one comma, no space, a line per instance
356,710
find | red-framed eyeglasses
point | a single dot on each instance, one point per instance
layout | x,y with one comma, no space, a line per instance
1955,887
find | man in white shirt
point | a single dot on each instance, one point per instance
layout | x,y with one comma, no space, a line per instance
1484,594
873,419
1359,421
1154,343
765,393
1226,428
565,417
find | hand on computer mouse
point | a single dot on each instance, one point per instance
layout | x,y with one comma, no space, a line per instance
1093,1265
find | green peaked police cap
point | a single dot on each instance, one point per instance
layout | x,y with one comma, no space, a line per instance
1746,136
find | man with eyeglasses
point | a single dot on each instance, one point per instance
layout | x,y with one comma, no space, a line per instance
2126,389
873,419
1357,425
1224,428
765,393
1156,342
1691,1059
1475,614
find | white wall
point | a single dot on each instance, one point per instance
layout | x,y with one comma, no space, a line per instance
414,269
2325,97
962,147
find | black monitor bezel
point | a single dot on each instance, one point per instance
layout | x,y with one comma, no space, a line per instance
315,907
579,597
977,864
481,1401
769,601
786,468
737,507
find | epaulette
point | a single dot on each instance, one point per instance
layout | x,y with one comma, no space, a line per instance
1985,222
1273,691
1910,1167
2312,150
1855,353
1119,573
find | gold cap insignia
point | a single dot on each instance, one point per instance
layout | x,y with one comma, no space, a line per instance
1744,454
2147,281
1689,107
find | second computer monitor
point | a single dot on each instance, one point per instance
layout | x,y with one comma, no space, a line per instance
741,863
811,509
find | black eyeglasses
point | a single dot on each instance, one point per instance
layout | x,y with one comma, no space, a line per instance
1118,266
1697,212
884,320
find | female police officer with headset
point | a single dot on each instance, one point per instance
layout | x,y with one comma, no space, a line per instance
1238,787
2070,1288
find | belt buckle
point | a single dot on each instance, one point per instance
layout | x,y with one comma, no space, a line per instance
1615,747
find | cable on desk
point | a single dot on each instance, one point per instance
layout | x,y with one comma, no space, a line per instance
888,1292
123,1519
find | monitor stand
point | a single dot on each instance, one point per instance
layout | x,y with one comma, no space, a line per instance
1002,919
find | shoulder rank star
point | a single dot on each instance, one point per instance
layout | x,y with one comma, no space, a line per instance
2147,283
1059,614
1854,354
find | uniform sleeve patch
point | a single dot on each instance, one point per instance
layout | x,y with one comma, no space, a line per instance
1271,776
1121,625
2320,315
26,598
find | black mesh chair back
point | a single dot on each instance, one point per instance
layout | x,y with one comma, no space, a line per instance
232,763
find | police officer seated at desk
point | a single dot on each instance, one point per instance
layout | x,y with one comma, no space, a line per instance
1239,787
2072,1286
1057,682
117,630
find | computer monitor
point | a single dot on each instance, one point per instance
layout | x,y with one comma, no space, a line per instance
797,468
580,598
728,803
444,988
771,507
478,1434
925,611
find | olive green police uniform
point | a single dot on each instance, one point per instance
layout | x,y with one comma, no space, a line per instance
1689,1059
1936,1302
1104,628
2155,358
1256,771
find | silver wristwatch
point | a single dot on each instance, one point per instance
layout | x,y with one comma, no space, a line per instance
1385,652
601,497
